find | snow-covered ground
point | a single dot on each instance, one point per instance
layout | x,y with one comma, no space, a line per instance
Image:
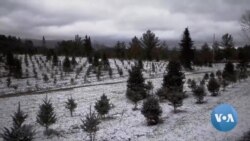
191,124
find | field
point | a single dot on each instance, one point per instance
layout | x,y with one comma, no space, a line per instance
122,124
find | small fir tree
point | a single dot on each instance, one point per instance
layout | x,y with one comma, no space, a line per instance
176,99
151,110
199,93
90,124
229,72
71,105
46,115
19,131
8,82
213,86
102,106
66,64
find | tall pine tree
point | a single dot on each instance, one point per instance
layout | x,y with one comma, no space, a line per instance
173,84
187,52
136,89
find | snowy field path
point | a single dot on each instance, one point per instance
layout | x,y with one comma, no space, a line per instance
193,123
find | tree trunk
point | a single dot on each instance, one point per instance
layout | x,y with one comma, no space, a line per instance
71,113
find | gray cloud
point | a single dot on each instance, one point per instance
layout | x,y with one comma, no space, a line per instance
57,19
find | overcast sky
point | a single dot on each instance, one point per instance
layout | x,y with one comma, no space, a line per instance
62,19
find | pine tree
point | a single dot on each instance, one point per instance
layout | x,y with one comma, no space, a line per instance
199,93
192,85
55,60
96,60
45,78
19,131
66,64
212,75
135,49
110,72
46,115
187,52
213,86
19,117
136,90
88,48
149,42
176,99
151,110
206,76
219,74
173,81
149,87
90,124
71,105
229,72
73,61
102,106
140,64
105,61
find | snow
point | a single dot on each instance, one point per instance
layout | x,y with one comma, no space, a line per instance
192,123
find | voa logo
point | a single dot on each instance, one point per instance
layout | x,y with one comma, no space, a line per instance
224,117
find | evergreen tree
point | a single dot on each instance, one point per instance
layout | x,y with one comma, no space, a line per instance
96,60
213,86
19,131
173,84
187,52
71,105
66,64
206,76
149,42
105,61
149,87
120,49
45,78
88,48
102,106
176,99
73,61
19,117
199,93
227,43
151,110
229,72
46,115
135,49
10,59
135,86
212,75
140,64
55,60
219,74
192,85
43,42
90,124
8,82
173,81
